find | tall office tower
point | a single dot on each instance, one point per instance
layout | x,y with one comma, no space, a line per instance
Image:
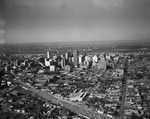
47,63
75,55
81,59
0,63
67,56
71,58
63,62
48,55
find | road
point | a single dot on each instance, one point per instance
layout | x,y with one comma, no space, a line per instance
66,104
124,87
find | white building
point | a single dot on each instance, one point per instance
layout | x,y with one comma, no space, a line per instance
95,58
52,68
47,62
88,58
79,96
48,55
81,59
108,57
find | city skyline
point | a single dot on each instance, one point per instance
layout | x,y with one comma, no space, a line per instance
69,20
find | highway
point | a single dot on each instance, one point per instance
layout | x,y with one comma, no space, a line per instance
66,104
124,90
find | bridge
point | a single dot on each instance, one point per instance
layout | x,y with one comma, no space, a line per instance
87,112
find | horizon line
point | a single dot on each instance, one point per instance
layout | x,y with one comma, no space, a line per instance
7,43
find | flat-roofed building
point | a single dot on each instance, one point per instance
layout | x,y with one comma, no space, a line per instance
76,60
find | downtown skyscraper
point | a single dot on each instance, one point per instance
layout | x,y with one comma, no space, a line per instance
75,56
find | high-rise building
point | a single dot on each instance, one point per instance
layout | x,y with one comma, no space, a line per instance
67,56
47,62
81,59
95,58
75,55
48,55
88,58
0,63
54,58
63,62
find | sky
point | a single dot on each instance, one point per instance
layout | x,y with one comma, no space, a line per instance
23,21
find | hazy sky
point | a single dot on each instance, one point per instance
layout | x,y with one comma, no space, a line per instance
73,20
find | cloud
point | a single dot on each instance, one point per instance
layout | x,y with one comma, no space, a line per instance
107,4
33,20
2,22
2,41
2,32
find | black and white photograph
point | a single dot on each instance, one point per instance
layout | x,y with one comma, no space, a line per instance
74,59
